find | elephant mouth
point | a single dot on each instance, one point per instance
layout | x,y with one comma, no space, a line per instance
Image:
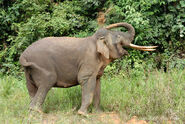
143,48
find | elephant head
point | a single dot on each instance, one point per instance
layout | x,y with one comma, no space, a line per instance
110,43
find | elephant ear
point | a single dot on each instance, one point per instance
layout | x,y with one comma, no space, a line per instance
102,47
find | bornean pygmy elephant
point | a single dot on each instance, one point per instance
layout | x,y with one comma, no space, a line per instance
67,61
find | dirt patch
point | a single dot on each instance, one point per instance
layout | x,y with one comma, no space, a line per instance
49,119
103,118
109,118
95,118
114,118
135,120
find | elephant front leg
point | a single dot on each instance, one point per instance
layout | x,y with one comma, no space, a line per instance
88,88
97,91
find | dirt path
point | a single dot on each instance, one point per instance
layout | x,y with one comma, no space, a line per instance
99,118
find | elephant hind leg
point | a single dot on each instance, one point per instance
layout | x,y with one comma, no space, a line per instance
43,82
39,98
32,89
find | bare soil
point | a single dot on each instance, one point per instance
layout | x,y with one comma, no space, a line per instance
95,118
98,118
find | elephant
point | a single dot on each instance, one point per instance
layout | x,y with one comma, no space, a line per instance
68,61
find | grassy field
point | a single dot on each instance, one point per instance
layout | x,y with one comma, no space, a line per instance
156,97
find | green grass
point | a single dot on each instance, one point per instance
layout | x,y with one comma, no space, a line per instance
153,96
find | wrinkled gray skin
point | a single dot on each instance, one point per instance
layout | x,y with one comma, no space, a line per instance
66,62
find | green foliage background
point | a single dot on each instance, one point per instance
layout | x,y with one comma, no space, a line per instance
157,22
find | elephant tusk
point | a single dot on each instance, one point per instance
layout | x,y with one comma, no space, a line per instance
144,48
147,49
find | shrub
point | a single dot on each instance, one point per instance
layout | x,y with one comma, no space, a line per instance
156,23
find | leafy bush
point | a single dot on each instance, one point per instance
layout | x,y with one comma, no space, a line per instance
156,22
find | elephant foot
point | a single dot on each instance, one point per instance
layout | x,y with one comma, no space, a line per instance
82,113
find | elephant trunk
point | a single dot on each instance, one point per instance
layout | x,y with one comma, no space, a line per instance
131,31
130,28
